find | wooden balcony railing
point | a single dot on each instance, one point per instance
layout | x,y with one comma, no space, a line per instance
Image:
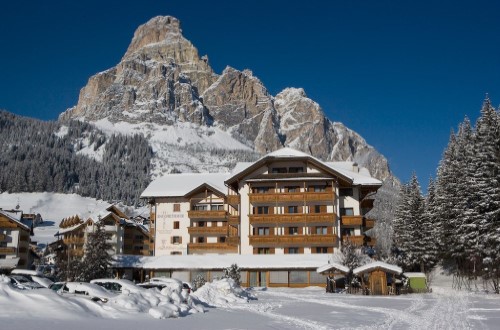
200,231
292,197
327,218
7,250
233,199
352,220
211,247
234,220
195,214
369,223
289,240
357,240
234,240
76,253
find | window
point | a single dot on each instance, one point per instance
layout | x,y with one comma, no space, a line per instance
176,224
139,237
346,211
323,230
278,170
200,239
222,239
177,207
263,251
317,208
293,209
345,192
293,250
292,189
317,188
201,223
176,239
263,210
293,230
321,249
175,253
296,170
200,207
263,231
217,207
3,244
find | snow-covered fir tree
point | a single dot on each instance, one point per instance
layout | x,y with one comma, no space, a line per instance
233,272
96,261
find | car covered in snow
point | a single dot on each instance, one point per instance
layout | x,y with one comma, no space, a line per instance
23,283
33,276
91,291
117,285
172,283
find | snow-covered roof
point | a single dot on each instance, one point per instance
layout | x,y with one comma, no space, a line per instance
414,274
220,261
9,263
176,185
378,265
13,219
333,266
361,177
287,152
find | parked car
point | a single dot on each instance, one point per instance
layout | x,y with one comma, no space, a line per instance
23,283
81,289
172,283
117,285
33,276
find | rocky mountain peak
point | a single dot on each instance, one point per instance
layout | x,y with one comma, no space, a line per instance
157,30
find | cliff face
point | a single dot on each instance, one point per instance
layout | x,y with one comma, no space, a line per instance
161,79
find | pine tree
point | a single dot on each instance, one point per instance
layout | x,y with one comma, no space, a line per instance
430,229
96,261
233,272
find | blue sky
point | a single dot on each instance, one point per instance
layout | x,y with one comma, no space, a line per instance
400,73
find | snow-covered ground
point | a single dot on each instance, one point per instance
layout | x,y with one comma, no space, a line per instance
272,308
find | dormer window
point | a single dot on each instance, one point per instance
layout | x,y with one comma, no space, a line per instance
296,170
276,170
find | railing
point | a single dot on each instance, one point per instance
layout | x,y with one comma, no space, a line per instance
74,240
8,250
357,240
352,220
234,220
233,199
234,240
369,223
299,240
293,218
291,197
209,247
76,253
195,214
222,230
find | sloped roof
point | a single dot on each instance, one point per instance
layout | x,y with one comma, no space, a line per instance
14,220
361,177
333,266
378,265
177,185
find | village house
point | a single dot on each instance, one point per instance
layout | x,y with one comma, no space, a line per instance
14,242
287,204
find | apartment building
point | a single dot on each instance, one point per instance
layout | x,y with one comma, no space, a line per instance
124,235
287,202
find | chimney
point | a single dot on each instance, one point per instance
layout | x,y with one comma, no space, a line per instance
355,167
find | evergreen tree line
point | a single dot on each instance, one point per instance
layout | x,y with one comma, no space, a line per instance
459,219
43,156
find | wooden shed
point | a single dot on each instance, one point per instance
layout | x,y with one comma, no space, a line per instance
374,277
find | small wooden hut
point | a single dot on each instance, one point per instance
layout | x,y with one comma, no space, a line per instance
374,277
332,270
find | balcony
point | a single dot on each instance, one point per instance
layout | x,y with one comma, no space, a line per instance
234,220
293,240
352,220
369,223
356,240
74,240
3,237
292,197
211,248
327,218
76,253
233,199
199,231
196,214
7,250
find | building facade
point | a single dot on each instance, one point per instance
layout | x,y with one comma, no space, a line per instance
287,202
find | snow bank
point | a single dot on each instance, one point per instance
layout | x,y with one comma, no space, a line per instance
222,293
35,303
